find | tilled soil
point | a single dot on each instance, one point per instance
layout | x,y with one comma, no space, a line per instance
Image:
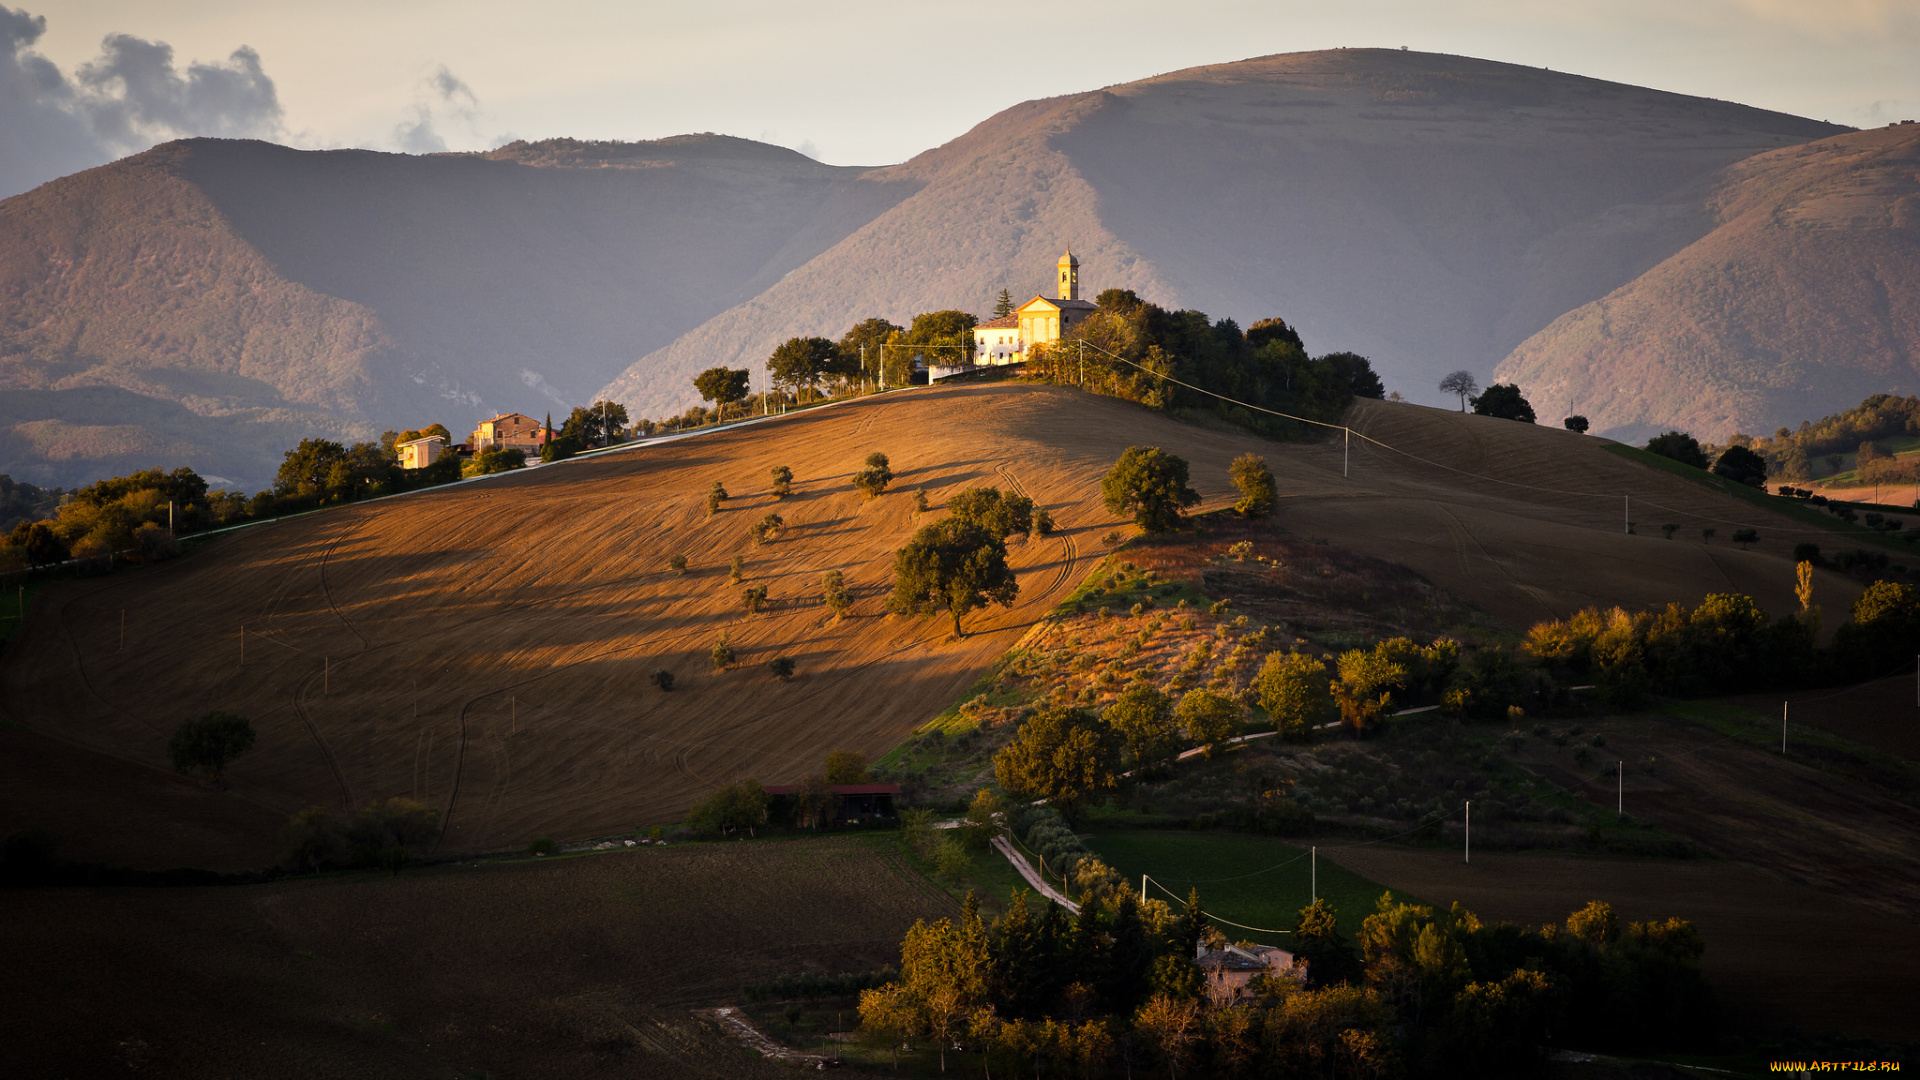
574,967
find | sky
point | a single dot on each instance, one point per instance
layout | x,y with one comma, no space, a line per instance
849,82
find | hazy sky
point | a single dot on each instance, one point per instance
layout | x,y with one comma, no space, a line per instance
849,82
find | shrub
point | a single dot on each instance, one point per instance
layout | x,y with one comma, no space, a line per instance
495,460
1669,529
755,598
678,563
782,481
781,667
1042,523
833,590
723,657
873,479
920,500
716,494
768,529
1258,492
736,569
542,846
661,678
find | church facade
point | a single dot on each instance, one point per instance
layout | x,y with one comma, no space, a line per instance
1039,321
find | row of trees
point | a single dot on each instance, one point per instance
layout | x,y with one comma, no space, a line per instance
1133,349
1420,992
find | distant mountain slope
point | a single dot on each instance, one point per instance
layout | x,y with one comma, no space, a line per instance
1803,300
1431,211
211,302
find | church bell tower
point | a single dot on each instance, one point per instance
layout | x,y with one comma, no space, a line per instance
1069,276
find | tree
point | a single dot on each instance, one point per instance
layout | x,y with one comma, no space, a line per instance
306,469
1293,688
1258,492
953,565
781,667
873,479
941,337
862,348
782,481
1575,423
1209,719
1172,1025
985,818
1001,515
754,597
1003,306
1150,485
1744,537
890,1014
740,805
1143,717
1742,466
209,743
1461,384
723,386
596,424
1364,688
802,362
1063,755
723,654
1679,446
833,590
1504,401
768,529
661,678
1356,372
846,767
716,494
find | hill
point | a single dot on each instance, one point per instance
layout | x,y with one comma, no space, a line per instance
1428,211
1801,301
487,647
210,302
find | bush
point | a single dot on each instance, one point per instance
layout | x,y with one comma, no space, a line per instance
755,598
873,479
723,657
1042,523
1258,491
781,667
678,563
661,678
833,589
494,459
920,505
782,481
768,529
542,846
716,494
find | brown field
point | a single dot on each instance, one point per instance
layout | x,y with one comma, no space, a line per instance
1777,952
575,967
524,613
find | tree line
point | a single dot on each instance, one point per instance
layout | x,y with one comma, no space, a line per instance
1419,992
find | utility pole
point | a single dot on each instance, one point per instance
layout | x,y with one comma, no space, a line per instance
1143,888
1783,727
1346,446
1620,788
1469,854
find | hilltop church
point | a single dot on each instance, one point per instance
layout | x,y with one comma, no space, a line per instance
1036,322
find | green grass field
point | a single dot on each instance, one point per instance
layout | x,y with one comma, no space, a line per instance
1253,880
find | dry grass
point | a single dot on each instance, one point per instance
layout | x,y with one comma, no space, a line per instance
525,612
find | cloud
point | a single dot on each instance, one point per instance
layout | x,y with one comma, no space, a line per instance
444,100
129,98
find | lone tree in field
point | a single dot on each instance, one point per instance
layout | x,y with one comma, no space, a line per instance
782,667
723,386
1504,401
678,563
1576,423
1065,756
716,494
1001,515
755,598
833,589
1744,537
782,481
874,479
209,743
723,656
661,678
951,565
768,529
1461,384
1258,492
1151,485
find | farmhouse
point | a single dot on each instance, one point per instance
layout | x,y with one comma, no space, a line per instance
853,803
420,453
1039,321
1230,970
507,431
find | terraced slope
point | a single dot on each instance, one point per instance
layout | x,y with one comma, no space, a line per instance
488,647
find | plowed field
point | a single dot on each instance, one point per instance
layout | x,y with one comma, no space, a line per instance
487,647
